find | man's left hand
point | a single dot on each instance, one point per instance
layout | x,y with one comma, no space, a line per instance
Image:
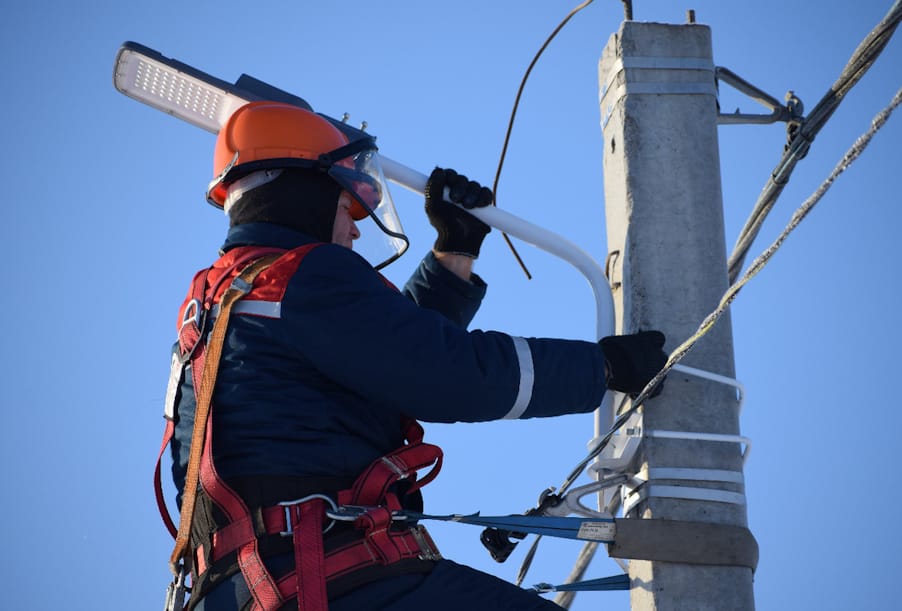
459,232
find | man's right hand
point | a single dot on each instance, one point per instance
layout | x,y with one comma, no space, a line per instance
633,360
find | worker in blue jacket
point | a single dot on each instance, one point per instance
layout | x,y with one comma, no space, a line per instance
326,368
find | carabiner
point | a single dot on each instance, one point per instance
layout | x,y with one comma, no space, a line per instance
175,593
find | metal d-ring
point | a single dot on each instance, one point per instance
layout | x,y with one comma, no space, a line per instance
301,501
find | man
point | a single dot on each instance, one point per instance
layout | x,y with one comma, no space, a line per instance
324,369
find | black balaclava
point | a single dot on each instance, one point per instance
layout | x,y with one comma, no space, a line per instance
303,200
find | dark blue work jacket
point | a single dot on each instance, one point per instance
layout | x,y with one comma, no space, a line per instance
314,385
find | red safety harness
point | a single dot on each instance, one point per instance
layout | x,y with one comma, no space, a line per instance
375,547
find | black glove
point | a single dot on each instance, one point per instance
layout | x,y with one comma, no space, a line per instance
633,360
459,232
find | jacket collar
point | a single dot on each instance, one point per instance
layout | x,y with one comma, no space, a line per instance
264,234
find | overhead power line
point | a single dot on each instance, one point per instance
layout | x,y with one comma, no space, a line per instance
756,266
861,60
729,296
800,141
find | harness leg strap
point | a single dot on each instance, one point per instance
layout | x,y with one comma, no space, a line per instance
309,559
264,590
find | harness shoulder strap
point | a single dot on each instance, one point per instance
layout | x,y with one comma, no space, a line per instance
381,546
189,331
240,286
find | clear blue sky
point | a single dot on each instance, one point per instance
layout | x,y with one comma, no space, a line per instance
105,223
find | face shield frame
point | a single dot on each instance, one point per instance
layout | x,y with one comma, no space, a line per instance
361,177
355,168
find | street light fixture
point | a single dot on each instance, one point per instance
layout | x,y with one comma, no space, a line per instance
206,102
187,93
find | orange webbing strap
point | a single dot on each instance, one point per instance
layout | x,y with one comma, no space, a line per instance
241,286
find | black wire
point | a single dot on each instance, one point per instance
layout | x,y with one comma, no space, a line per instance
860,62
510,124
862,59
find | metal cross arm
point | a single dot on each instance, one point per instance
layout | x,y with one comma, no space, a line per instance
790,112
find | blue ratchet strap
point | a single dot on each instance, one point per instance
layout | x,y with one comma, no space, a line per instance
600,529
602,584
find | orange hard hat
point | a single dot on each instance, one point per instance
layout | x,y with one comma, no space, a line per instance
265,135
262,138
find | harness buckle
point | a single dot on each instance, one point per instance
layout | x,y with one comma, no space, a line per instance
287,505
194,313
428,549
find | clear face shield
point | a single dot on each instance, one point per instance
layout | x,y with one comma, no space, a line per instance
361,176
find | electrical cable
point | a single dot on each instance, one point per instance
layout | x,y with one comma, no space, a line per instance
729,296
569,481
861,60
586,555
756,266
565,597
800,141
510,124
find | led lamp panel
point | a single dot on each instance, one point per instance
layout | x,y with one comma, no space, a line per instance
146,76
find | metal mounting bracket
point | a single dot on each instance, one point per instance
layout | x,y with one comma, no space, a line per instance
790,112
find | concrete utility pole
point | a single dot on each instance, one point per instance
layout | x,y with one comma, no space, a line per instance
668,269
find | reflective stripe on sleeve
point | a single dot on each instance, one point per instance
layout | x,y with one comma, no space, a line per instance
527,378
268,309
